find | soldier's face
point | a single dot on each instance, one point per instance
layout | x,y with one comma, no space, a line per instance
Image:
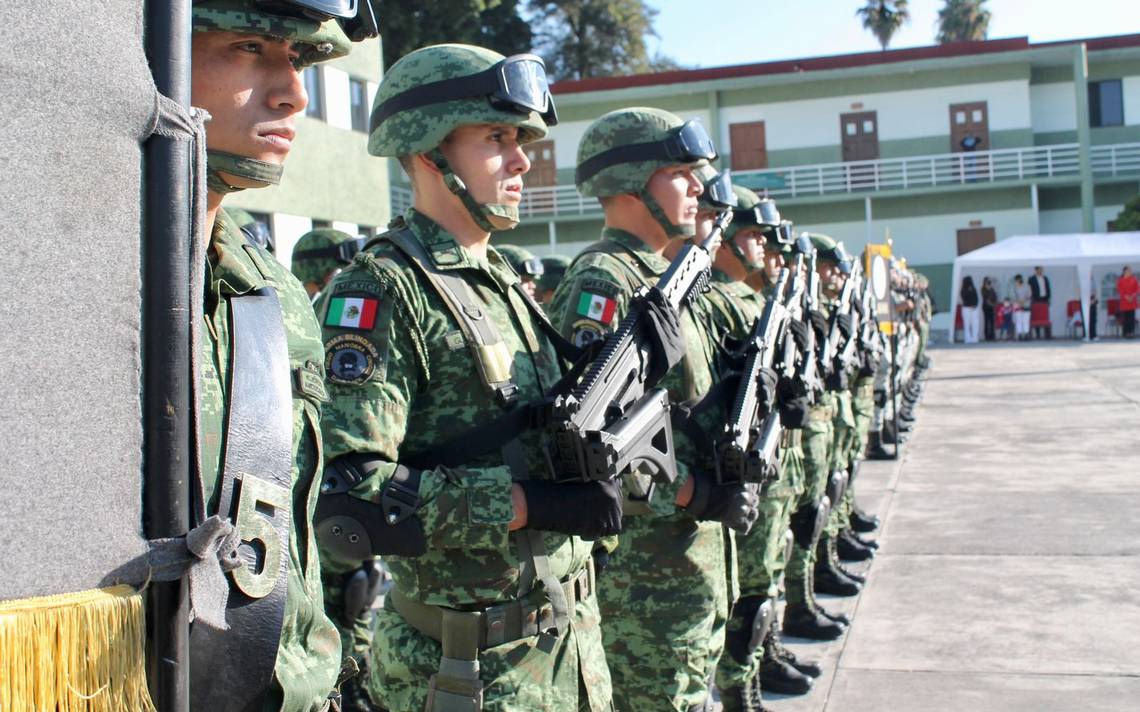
705,220
490,161
676,188
828,276
252,90
773,263
751,243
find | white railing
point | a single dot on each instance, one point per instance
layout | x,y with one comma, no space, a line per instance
861,177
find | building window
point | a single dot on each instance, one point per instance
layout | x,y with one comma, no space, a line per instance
1106,103
358,97
314,87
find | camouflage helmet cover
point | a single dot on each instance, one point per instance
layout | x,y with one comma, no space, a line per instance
321,41
619,128
423,128
521,260
315,269
553,270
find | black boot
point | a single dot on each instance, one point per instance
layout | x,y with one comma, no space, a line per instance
776,675
828,578
863,522
807,667
875,450
741,699
803,622
849,549
861,540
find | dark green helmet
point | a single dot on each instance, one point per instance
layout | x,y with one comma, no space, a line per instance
321,252
831,251
553,270
521,261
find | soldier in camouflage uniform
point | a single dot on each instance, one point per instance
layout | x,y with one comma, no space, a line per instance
428,335
247,66
528,267
668,587
318,256
553,270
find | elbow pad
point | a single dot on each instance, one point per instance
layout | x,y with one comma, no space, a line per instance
354,529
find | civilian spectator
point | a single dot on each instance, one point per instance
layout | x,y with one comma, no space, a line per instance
1093,301
1022,299
971,310
1129,291
989,304
1042,294
1004,319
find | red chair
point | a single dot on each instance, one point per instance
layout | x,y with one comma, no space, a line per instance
959,325
1114,321
1039,317
1074,307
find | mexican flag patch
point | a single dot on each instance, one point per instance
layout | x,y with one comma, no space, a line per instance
596,307
351,313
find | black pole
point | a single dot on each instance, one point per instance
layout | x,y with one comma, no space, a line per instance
166,352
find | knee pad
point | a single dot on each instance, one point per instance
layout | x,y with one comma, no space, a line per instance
836,486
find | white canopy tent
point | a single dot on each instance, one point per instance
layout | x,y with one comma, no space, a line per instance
1070,262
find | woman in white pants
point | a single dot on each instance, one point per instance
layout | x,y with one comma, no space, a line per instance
1022,298
971,310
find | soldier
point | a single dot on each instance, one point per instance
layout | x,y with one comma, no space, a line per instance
493,601
553,269
318,256
528,267
261,368
666,592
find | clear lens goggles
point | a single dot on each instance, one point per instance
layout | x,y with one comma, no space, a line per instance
804,246
688,143
533,267
767,213
719,193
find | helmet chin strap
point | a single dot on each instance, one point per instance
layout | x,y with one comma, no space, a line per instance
671,230
492,217
261,172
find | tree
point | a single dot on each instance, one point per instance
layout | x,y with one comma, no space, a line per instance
883,18
595,38
963,21
1129,218
406,25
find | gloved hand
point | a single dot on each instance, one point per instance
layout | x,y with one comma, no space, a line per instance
868,363
663,329
794,404
844,322
734,505
819,323
798,331
836,380
766,389
586,509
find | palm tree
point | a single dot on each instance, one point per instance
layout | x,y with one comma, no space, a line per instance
884,18
963,21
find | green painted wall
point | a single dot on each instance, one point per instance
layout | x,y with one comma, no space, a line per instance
940,276
1102,136
669,102
1104,195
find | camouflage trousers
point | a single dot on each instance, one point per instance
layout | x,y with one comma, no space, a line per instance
842,431
818,438
762,555
862,410
665,598
516,676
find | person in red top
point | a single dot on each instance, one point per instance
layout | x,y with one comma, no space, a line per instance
1129,290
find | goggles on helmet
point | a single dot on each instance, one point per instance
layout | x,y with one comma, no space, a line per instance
803,245
357,18
517,83
688,143
719,193
533,267
342,252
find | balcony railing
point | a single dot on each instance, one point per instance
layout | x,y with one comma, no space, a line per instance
869,177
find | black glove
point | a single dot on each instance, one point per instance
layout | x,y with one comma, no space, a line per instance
663,329
766,389
586,509
819,322
844,322
734,505
601,559
868,363
857,305
798,330
836,380
793,404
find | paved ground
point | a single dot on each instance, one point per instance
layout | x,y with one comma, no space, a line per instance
1010,560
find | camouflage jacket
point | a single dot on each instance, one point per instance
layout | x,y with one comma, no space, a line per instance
417,388
736,305
308,657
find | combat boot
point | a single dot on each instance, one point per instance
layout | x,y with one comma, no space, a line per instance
850,549
839,618
777,674
802,618
742,699
862,522
861,540
807,667
828,578
875,450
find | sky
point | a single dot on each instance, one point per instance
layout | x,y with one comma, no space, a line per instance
726,32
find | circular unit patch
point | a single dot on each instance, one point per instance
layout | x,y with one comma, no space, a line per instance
586,332
350,359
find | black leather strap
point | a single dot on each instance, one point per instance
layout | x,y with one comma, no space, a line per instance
232,670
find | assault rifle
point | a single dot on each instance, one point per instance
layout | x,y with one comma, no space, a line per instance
746,449
796,364
612,421
814,356
829,349
848,355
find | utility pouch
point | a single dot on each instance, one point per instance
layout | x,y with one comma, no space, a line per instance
457,687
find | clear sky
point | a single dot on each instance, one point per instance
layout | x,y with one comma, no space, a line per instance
713,33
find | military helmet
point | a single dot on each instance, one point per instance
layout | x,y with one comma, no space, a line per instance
313,24
553,270
429,93
831,251
322,251
521,260
718,189
620,150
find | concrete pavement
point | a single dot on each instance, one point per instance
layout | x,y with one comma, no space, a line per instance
1010,561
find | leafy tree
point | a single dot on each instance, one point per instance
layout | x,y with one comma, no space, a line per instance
883,18
963,21
407,25
1129,218
595,38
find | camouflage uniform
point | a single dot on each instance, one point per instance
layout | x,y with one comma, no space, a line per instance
308,656
315,270
666,593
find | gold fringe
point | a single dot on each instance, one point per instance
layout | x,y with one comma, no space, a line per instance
74,652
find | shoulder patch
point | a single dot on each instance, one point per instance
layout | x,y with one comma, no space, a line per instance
585,332
351,359
352,312
595,304
348,286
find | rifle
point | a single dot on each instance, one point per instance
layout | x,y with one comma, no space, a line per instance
611,421
848,354
811,358
796,364
829,349
747,425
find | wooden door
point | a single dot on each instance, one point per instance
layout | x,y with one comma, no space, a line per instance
749,145
860,132
969,127
972,238
543,171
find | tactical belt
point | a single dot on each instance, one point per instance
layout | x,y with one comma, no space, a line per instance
232,670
